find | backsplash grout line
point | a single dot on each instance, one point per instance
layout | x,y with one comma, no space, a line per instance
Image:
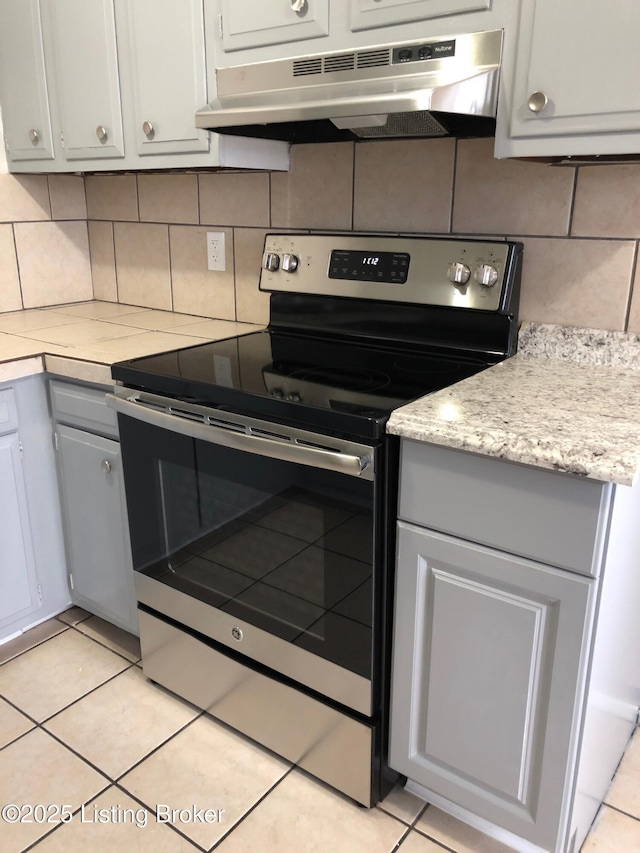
634,273
453,186
572,204
15,249
137,197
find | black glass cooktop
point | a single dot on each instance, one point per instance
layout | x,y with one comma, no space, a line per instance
305,380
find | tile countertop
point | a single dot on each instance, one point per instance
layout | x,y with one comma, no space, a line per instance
84,339
568,401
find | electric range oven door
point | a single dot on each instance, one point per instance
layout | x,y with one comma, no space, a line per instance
257,536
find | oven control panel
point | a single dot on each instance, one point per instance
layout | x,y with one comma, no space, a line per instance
422,270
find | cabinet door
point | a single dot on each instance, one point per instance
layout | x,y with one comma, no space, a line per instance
384,13
488,666
82,39
586,64
96,531
23,82
164,64
18,582
257,23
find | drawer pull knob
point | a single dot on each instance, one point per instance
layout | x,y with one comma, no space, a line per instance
34,136
106,466
148,130
101,133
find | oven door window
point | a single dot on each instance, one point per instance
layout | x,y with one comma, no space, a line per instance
287,548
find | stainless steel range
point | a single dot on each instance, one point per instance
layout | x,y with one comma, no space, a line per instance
261,487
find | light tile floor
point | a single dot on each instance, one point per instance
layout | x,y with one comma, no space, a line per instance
84,733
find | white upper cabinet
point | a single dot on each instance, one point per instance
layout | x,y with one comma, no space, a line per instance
89,85
264,22
25,102
162,55
383,13
575,83
81,37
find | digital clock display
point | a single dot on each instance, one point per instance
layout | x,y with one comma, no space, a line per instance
354,265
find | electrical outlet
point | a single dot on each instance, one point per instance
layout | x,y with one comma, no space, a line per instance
215,250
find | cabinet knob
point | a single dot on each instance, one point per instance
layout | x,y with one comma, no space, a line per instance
106,466
298,5
101,133
148,129
34,136
537,102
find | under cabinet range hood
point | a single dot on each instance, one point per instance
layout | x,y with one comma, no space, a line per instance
446,86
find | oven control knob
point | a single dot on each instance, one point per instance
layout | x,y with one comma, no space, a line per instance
290,262
458,273
294,397
271,261
486,275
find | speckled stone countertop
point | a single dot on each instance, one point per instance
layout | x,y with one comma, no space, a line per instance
82,340
568,401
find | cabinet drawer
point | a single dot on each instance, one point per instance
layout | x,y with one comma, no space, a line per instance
78,405
8,412
550,517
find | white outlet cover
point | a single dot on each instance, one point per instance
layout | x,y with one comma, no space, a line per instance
215,250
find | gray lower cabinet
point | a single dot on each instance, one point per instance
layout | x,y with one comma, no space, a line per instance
19,587
485,700
515,682
32,580
93,504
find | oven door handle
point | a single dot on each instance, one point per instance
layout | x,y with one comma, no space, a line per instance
355,465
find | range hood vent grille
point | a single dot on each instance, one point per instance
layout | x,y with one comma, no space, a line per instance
341,62
374,58
302,67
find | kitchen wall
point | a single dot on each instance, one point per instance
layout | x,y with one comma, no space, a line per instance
580,227
44,247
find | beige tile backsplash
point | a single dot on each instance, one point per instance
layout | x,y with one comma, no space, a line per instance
142,264
103,261
197,290
24,198
113,197
234,199
509,196
317,192
68,200
168,198
53,261
146,233
404,185
585,279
